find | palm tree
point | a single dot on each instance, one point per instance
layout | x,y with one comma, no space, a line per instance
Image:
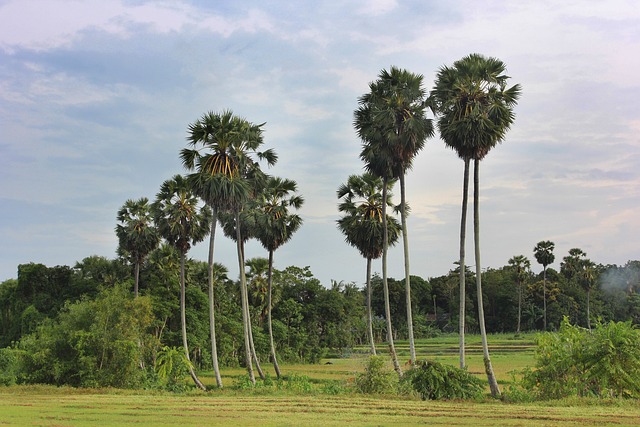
580,270
182,224
520,265
391,122
137,235
275,226
543,252
220,179
588,281
475,110
362,225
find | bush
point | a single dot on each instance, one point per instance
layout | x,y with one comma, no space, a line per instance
577,362
433,380
9,366
377,378
172,368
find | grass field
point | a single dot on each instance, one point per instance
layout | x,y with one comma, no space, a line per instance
51,406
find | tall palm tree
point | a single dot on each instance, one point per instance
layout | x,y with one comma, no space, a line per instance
362,225
577,268
230,144
588,281
520,265
137,235
391,121
275,226
475,110
182,224
543,252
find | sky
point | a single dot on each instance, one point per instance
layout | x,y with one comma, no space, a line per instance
96,97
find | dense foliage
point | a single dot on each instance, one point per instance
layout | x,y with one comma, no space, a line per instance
575,361
433,380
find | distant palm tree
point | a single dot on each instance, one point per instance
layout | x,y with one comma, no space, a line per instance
221,176
475,110
520,265
275,226
137,235
543,252
182,224
392,124
588,282
362,225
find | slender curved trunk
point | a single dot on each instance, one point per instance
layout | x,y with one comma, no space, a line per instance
243,302
588,309
519,305
407,277
493,383
544,297
369,313
183,321
212,315
271,343
136,279
254,354
385,283
463,270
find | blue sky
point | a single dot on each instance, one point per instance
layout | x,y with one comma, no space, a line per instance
96,97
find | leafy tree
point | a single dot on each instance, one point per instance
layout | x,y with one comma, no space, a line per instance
543,252
275,226
392,123
220,178
137,235
182,224
362,225
91,343
475,110
520,265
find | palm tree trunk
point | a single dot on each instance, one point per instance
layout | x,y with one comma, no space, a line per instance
588,310
544,297
385,283
212,316
183,321
369,313
243,301
407,278
271,343
136,280
519,305
254,355
493,383
463,270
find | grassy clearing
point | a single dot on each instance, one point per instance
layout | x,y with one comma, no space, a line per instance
51,406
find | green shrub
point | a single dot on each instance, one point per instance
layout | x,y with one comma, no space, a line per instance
377,378
172,367
433,380
9,366
577,362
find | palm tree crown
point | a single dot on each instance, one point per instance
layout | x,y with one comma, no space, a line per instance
137,234
362,223
474,105
179,219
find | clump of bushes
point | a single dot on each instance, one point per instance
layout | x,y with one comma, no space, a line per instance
429,379
574,361
377,378
433,380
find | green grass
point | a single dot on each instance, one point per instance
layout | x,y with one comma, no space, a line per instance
51,406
